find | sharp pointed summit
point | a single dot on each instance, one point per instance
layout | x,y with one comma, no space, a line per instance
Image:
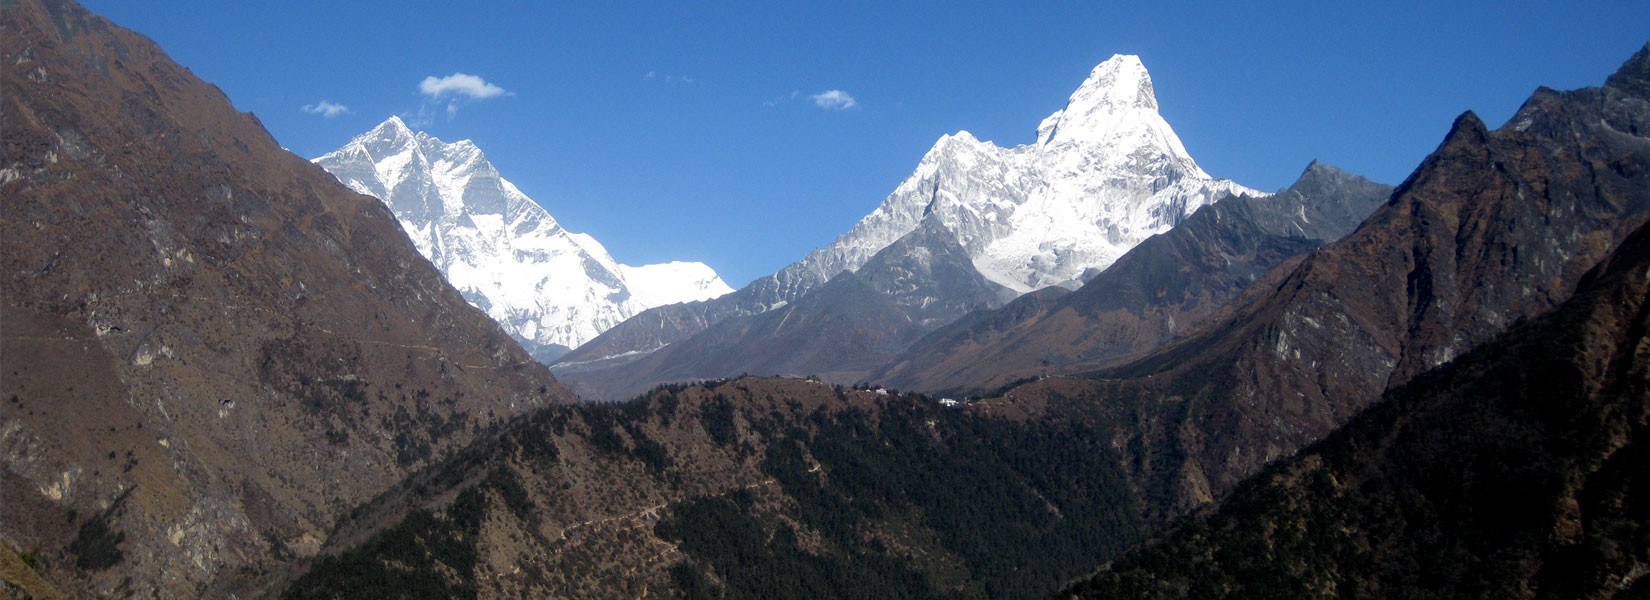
1105,173
1121,81
550,288
1113,89
1634,75
1113,118
393,125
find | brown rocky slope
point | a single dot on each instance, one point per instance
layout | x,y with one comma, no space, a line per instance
209,349
1517,471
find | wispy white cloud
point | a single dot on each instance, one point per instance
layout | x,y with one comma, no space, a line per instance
655,75
420,118
834,100
326,108
778,100
454,91
460,84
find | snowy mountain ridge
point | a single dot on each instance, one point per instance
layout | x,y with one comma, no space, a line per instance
1105,173
550,288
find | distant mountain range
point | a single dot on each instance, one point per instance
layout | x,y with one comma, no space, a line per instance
225,374
1105,173
841,331
1504,460
550,288
1168,285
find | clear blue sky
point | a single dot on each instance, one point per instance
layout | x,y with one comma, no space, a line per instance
685,130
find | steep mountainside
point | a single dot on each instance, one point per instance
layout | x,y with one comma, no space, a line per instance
1171,283
1492,228
1517,471
841,331
209,349
1105,173
550,288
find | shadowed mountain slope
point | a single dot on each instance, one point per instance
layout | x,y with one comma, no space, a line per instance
1169,284
840,331
1517,471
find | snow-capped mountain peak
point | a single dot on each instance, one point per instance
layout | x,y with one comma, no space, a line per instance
1113,116
550,288
1106,172
391,129
1121,82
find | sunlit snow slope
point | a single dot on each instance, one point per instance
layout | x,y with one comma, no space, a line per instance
550,288
1105,173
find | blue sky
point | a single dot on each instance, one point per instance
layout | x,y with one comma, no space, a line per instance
688,131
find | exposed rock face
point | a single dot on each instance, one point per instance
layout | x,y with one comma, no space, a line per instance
1492,228
1105,173
210,348
1516,471
841,331
931,278
550,288
1169,284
